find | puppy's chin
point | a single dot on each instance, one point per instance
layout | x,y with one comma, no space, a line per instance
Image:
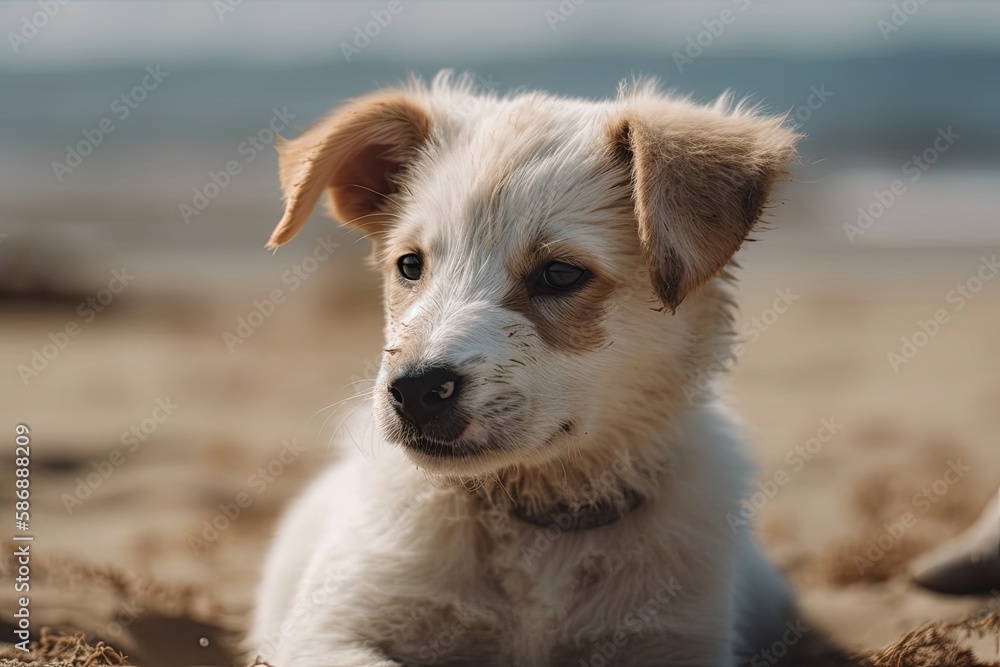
464,456
456,457
476,452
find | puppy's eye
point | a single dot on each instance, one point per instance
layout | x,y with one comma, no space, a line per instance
561,277
410,266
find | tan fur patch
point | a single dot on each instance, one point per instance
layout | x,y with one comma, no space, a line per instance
357,153
571,322
700,181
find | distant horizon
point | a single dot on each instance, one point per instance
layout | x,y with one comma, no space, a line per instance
309,61
866,102
101,35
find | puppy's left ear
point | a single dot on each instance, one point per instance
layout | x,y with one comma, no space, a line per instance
700,178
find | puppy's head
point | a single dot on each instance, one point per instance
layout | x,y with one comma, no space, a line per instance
548,263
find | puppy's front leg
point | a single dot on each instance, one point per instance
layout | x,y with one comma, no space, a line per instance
316,652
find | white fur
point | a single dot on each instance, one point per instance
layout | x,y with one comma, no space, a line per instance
395,558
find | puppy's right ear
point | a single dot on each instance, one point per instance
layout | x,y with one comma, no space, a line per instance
355,153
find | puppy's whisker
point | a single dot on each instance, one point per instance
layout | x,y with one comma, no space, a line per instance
344,419
374,192
364,394
357,381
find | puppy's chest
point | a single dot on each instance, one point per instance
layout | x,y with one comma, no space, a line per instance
541,598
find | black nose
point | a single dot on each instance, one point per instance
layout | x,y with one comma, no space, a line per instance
422,397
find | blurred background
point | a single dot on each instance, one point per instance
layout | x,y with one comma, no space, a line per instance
170,369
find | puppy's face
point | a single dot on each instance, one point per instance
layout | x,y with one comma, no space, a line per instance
500,269
533,250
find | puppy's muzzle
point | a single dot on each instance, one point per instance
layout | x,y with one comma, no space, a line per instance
427,397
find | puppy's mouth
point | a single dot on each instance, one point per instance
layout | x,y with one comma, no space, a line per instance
439,449
475,439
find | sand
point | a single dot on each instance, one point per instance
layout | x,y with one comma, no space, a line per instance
854,455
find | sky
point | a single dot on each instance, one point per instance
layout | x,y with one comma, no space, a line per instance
82,34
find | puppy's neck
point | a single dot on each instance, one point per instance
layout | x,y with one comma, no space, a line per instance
568,517
587,486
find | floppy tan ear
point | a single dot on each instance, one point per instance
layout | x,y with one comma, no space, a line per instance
700,179
355,153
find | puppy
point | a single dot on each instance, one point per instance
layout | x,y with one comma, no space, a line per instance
554,482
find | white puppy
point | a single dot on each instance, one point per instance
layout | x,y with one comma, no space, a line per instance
554,481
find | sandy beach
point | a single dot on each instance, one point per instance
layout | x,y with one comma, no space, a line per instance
154,422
